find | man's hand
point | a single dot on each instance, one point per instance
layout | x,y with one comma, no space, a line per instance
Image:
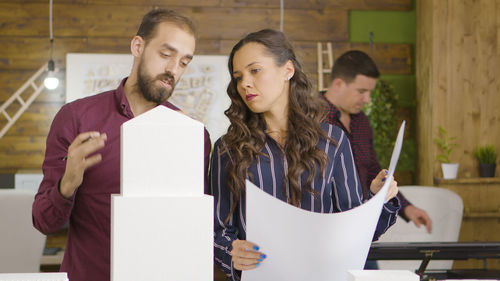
78,160
246,255
418,217
379,181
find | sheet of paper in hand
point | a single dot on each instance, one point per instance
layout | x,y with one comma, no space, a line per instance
303,245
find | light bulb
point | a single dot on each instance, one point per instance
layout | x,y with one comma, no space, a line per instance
50,81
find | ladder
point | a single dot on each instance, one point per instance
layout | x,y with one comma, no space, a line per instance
24,103
321,65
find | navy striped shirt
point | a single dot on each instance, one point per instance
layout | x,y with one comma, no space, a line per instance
339,190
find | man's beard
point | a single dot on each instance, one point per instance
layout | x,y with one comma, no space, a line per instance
149,90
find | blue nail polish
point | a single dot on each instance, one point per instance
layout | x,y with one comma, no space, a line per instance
259,260
383,179
256,248
386,172
263,256
257,265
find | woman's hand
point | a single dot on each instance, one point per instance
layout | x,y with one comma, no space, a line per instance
246,255
379,181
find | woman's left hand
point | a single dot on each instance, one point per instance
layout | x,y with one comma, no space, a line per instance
379,181
246,255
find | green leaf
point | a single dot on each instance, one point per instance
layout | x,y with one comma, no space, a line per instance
445,145
486,154
381,112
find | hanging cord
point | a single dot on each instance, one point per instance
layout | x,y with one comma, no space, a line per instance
282,14
51,61
51,47
50,21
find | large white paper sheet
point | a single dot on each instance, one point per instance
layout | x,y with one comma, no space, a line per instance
302,245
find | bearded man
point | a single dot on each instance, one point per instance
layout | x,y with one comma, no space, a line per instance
82,161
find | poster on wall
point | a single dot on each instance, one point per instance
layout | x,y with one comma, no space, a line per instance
200,93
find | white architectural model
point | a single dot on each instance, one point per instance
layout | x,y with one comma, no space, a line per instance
162,223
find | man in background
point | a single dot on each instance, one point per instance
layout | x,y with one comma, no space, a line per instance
82,160
354,75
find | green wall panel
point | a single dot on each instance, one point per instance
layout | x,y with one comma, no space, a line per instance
393,27
387,26
405,86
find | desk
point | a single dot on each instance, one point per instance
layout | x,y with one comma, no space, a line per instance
51,263
439,250
426,251
50,260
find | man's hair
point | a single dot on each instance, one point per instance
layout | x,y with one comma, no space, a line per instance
353,63
151,20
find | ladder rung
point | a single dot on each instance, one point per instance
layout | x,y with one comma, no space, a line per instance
34,86
6,115
24,104
324,50
21,101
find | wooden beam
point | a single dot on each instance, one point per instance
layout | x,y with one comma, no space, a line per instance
390,58
234,23
173,4
397,5
23,152
32,52
388,5
78,20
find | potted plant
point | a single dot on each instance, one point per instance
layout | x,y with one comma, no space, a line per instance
381,111
446,144
487,157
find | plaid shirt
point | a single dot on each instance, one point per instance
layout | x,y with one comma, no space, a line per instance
361,138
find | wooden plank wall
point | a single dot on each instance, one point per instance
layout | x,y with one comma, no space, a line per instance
106,26
458,65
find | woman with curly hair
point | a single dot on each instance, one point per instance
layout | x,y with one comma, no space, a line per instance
277,141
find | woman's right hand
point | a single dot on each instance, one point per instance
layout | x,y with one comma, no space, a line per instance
246,255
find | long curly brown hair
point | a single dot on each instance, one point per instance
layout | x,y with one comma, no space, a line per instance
245,137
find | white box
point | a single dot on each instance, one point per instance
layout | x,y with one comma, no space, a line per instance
28,180
60,276
162,238
381,275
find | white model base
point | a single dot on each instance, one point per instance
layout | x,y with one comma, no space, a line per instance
381,275
162,238
60,276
